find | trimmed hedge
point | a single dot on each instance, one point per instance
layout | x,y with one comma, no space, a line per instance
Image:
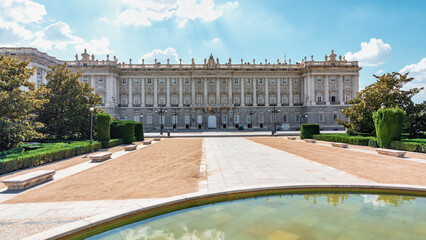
49,153
124,130
139,136
388,123
408,146
308,130
112,143
102,125
373,143
343,138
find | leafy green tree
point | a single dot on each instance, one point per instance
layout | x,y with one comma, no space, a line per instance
386,91
67,115
19,100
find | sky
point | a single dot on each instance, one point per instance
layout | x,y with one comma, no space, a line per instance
383,35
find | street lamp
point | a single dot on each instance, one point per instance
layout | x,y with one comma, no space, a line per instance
306,117
92,108
141,116
175,113
274,111
161,112
250,112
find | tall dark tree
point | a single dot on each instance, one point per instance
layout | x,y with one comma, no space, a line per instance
67,115
19,100
386,91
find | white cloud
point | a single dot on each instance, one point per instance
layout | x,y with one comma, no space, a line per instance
373,53
21,11
57,35
418,72
144,12
95,46
380,71
161,56
14,15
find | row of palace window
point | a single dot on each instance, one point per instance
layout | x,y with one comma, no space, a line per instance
236,118
212,100
174,81
224,100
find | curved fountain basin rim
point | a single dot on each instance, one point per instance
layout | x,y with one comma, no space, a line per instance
98,220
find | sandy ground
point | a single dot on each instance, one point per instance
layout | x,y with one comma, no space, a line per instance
167,168
377,168
59,165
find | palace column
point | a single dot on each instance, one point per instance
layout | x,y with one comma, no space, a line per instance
109,91
278,92
312,90
130,103
266,91
205,92
230,91
217,90
340,83
92,82
192,92
180,92
155,92
142,92
254,93
168,92
242,92
290,92
326,91
355,85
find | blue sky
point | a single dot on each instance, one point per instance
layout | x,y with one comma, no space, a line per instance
384,36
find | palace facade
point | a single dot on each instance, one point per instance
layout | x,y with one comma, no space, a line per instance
214,95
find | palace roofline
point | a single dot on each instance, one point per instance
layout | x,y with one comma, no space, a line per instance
87,60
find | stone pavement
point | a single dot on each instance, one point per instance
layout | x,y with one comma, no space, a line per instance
233,162
228,162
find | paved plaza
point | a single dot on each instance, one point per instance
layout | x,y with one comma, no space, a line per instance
227,162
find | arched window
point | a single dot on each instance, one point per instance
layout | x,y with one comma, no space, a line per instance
124,101
249,100
260,101
136,101
273,101
236,100
284,100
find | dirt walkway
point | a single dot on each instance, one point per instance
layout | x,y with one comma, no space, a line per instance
168,168
58,165
373,167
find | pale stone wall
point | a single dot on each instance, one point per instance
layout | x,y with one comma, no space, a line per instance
228,94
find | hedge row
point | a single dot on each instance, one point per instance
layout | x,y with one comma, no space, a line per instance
408,146
124,130
308,130
50,153
355,140
111,143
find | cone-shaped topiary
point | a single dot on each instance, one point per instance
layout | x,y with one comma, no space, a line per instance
388,123
139,132
102,125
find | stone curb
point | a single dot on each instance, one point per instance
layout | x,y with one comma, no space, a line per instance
86,223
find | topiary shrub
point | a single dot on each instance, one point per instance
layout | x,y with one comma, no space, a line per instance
308,130
112,143
388,123
139,136
102,124
373,143
124,130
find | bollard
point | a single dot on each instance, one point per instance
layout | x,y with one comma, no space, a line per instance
168,133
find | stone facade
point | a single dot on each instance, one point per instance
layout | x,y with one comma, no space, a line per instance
213,95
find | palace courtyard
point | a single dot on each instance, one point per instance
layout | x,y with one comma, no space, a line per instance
176,166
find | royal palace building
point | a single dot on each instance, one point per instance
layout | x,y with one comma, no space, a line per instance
214,95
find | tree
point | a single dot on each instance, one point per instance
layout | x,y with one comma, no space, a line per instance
67,115
386,91
19,100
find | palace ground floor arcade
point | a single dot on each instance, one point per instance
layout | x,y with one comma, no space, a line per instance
232,117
